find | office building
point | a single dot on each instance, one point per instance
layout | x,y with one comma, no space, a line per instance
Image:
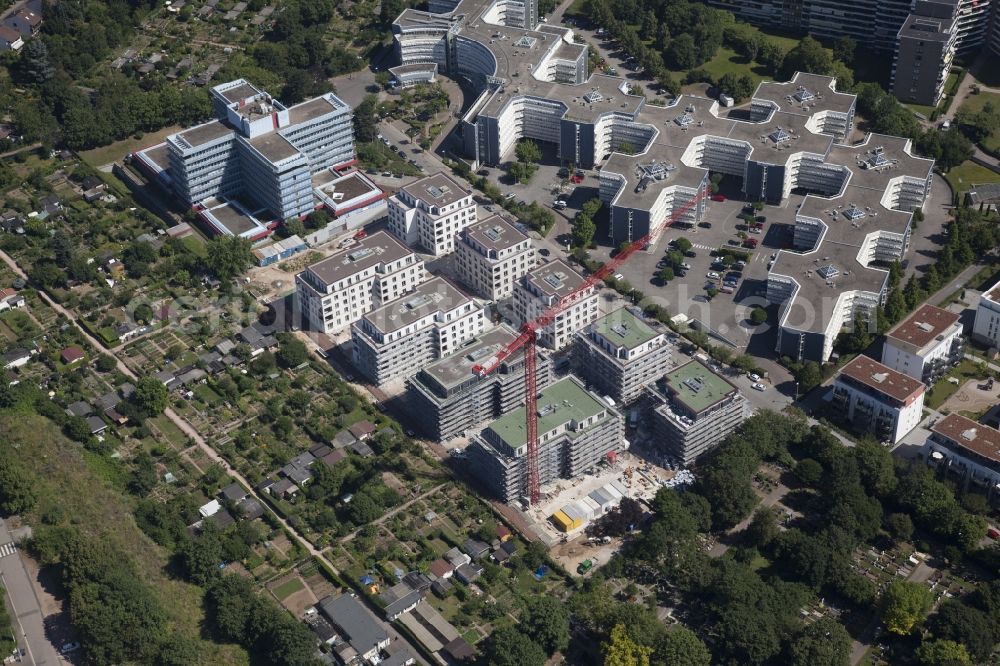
619,354
545,287
877,400
967,448
924,51
925,345
430,213
335,292
253,165
576,431
986,328
695,409
399,338
492,256
450,399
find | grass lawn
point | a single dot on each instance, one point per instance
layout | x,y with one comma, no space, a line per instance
67,480
205,393
116,151
170,431
578,8
975,103
288,588
944,389
967,174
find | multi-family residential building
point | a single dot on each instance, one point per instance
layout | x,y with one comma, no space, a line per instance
492,256
338,290
926,45
25,21
695,409
449,397
546,286
576,431
878,400
619,354
256,161
430,213
925,345
967,448
986,329
399,338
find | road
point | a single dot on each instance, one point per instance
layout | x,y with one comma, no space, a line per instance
29,623
210,452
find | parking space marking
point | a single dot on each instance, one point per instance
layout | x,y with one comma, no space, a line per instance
8,549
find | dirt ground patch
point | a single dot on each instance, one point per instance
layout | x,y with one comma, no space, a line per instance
571,554
971,398
294,595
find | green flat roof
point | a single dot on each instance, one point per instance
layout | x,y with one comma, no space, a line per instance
697,387
564,401
623,328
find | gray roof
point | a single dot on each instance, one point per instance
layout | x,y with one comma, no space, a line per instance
357,625
343,439
362,449
79,408
251,509
402,604
96,424
401,658
234,492
375,250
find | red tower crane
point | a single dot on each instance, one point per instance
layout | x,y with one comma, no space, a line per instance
529,333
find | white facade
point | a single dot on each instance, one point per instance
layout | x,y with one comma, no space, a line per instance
986,329
877,399
339,290
543,288
431,212
492,256
926,344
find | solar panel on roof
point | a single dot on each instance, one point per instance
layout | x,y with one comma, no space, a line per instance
358,255
554,281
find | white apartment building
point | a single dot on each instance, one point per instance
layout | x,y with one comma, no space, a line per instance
431,212
398,339
967,448
338,290
986,329
878,400
492,256
544,287
925,345
620,354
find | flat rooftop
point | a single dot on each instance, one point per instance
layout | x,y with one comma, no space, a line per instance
274,147
882,379
378,248
456,369
624,329
926,28
202,134
158,155
349,186
239,92
234,218
495,233
968,434
435,295
312,109
565,401
927,323
696,387
438,189
555,278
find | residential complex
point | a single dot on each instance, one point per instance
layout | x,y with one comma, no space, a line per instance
429,213
967,448
878,400
861,194
399,338
986,329
254,165
338,290
449,397
493,255
619,354
695,409
545,287
924,51
576,430
925,345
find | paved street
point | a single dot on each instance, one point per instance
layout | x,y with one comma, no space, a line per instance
26,610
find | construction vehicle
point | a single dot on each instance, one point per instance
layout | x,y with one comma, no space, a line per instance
584,567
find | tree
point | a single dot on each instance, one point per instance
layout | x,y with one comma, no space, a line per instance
763,528
546,620
682,52
758,316
509,646
17,486
822,643
583,231
771,56
808,56
390,10
150,396
528,152
366,115
809,472
738,87
105,363
899,526
34,65
681,647
942,652
809,376
683,245
844,48
959,622
904,604
666,274
178,650
620,650
955,149
228,256
748,636
292,352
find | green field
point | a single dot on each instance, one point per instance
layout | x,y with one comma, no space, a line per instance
974,104
288,588
944,389
967,174
116,151
728,61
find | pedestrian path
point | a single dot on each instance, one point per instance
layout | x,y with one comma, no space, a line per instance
8,549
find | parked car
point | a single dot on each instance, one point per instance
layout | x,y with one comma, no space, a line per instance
712,275
753,376
70,647
759,387
718,197
361,235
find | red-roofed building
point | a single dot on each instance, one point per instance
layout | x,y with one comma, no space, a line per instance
925,345
876,399
362,430
10,299
968,448
441,568
71,355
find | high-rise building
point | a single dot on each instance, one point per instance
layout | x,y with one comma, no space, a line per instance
492,256
545,287
924,51
336,291
429,213
576,431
